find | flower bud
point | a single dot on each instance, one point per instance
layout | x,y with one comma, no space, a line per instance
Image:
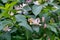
36,3
45,25
43,19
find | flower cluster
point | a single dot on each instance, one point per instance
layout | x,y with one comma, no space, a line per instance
37,21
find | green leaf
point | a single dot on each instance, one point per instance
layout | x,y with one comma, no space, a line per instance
4,1
52,37
28,34
27,8
13,30
36,9
20,18
35,28
25,25
17,37
23,21
7,36
2,7
52,28
39,39
57,38
50,1
21,1
35,39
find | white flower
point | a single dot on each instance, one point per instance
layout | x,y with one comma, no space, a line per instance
24,4
6,29
11,13
19,12
20,6
30,20
17,8
22,12
34,21
36,3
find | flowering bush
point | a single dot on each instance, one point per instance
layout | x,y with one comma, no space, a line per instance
29,19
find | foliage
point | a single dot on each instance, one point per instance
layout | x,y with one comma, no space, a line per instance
29,19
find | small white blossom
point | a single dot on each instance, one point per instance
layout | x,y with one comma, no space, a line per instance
19,12
36,21
20,6
40,24
17,8
36,3
24,4
11,13
6,29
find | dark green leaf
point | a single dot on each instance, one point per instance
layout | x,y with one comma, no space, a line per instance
36,9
